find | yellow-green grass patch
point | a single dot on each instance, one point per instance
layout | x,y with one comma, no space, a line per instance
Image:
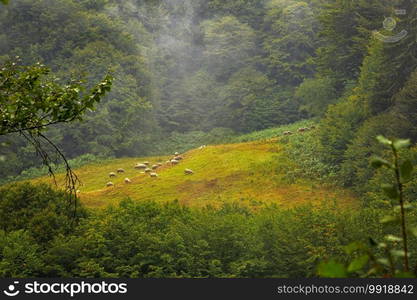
246,173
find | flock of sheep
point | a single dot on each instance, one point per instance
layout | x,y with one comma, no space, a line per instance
147,168
300,130
151,170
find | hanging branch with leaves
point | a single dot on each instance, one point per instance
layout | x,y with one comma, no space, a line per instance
31,100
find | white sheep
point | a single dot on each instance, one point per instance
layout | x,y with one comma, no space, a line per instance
174,161
120,170
154,167
188,172
154,175
148,170
127,180
109,184
112,174
140,166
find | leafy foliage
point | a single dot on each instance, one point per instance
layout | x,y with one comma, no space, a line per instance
30,103
315,95
169,240
291,42
40,210
395,261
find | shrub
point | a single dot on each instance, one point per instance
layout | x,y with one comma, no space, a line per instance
39,209
20,256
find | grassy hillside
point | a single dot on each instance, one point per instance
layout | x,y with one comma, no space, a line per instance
247,173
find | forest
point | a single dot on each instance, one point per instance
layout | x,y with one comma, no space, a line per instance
296,120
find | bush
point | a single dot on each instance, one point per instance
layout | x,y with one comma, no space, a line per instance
20,255
355,169
316,94
169,240
302,151
39,209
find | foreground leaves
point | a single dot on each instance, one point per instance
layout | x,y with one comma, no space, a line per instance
30,100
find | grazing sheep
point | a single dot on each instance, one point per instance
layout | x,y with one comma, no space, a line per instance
109,184
188,172
176,153
112,174
120,170
147,170
140,166
159,164
287,133
168,161
154,175
127,180
146,163
202,147
174,161
154,167
301,130
178,157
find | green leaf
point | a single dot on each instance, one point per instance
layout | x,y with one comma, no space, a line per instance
406,206
372,271
390,190
393,238
384,140
358,263
406,169
382,245
332,269
389,219
378,162
383,261
413,231
398,253
352,247
401,144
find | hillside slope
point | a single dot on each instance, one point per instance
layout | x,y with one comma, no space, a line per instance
247,173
